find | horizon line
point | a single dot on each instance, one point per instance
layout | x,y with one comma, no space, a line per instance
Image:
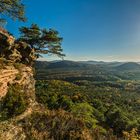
125,61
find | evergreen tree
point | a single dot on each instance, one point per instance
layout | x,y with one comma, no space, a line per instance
13,9
43,41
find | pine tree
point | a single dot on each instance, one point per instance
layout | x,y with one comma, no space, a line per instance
13,9
43,41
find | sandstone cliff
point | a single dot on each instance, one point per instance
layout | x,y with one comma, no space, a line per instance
14,74
6,76
9,130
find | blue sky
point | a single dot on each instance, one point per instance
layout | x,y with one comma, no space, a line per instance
107,30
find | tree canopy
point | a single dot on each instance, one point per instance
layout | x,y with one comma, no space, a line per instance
33,41
13,9
43,41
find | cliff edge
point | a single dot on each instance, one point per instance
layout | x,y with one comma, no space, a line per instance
23,78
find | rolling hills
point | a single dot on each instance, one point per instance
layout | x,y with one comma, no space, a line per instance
128,66
109,70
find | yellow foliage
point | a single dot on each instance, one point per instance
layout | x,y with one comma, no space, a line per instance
132,135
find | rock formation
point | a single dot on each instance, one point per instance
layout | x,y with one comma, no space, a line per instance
8,76
21,75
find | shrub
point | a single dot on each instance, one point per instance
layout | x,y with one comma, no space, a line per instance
55,125
14,103
85,111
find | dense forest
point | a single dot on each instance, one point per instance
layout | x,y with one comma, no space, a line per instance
105,102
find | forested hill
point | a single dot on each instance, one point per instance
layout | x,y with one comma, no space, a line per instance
89,64
91,69
129,66
105,95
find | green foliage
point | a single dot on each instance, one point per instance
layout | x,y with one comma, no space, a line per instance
14,103
43,41
58,94
12,8
98,105
65,102
84,111
57,125
117,120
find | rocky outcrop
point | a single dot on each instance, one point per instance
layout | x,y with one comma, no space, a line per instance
9,76
6,76
4,34
23,76
15,71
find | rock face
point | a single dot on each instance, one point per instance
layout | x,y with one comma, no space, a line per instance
10,39
9,130
6,76
14,74
9,76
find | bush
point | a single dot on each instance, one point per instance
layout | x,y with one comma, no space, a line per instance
85,112
14,103
55,125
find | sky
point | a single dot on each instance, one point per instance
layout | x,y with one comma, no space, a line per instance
102,30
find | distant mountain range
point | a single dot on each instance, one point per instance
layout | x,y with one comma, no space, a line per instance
87,64
112,64
129,66
62,64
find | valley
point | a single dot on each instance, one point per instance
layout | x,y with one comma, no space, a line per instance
111,90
